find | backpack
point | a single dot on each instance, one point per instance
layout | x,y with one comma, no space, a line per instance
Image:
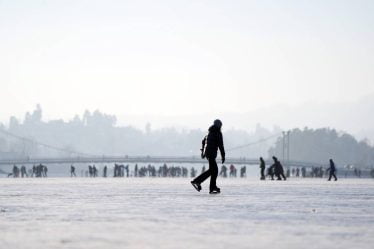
203,146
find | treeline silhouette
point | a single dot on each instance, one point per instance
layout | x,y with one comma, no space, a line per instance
96,133
315,145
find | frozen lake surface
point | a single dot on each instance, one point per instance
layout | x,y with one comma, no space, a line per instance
169,213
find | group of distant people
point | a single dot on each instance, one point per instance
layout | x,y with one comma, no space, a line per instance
276,169
36,171
214,142
210,146
121,170
232,171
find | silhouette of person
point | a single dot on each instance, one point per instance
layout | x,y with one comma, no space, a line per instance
193,172
270,172
136,170
223,171
72,171
94,171
23,171
262,167
105,171
332,170
214,142
278,169
15,171
243,171
90,171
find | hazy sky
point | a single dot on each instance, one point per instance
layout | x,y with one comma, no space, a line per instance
182,57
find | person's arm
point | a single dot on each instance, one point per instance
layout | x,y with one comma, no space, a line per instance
221,147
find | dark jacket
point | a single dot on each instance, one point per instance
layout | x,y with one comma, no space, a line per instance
278,168
262,164
214,142
332,167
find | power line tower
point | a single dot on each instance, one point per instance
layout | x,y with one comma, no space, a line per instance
286,147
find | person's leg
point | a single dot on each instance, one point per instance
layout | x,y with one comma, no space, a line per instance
330,175
278,176
335,176
284,177
202,177
214,173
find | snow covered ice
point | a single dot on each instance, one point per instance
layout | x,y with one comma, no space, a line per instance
169,213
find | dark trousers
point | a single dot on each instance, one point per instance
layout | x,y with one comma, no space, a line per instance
332,174
212,172
262,173
279,175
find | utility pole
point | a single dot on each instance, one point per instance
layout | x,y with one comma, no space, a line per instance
23,147
283,144
288,147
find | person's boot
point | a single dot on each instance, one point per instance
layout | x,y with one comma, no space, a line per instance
215,190
196,185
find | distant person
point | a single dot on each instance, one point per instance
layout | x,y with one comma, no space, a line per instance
270,172
278,169
262,167
232,171
332,170
94,171
128,171
72,171
243,171
15,171
203,169
90,170
214,141
136,170
23,171
223,172
105,171
193,172
303,172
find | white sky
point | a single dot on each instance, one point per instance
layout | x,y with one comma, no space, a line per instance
182,57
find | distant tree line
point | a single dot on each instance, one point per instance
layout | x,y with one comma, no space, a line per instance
319,145
96,133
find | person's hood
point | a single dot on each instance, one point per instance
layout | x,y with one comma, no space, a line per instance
214,128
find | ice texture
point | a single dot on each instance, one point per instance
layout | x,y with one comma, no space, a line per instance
170,213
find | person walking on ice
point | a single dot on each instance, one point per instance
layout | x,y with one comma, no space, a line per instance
210,145
262,167
332,170
72,171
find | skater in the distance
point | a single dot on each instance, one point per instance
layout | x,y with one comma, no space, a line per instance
214,141
262,167
72,171
332,170
278,169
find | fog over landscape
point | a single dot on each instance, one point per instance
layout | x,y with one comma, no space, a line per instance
186,124
169,69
